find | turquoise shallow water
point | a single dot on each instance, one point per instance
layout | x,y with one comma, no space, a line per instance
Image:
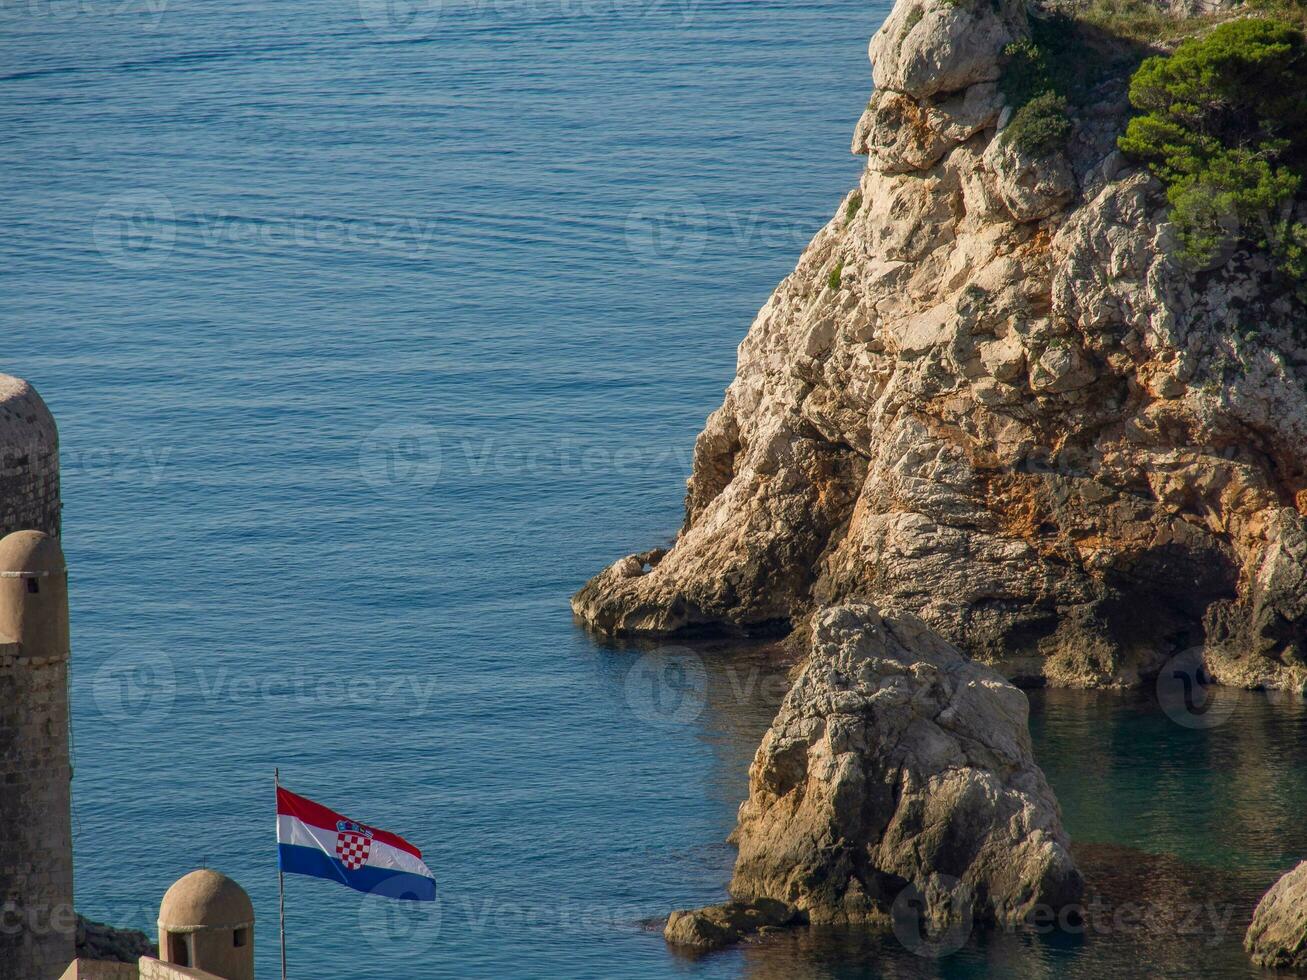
371,336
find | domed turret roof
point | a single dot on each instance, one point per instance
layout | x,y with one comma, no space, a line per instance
30,551
205,899
21,405
23,415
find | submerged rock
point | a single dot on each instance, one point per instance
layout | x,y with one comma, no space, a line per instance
1012,412
1277,937
895,767
715,926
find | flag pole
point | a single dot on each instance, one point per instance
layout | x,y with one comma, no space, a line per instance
281,887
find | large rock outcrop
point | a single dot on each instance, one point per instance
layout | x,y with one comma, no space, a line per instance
1277,937
989,394
896,763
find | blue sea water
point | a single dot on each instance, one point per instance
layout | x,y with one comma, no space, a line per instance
373,331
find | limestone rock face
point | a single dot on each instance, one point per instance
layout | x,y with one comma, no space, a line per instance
1031,187
929,46
1017,416
894,762
1277,937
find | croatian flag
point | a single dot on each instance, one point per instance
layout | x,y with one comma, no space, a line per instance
315,841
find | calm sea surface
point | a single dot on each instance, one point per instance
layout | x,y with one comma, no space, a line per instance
373,331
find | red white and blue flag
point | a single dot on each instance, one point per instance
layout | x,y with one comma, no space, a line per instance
315,841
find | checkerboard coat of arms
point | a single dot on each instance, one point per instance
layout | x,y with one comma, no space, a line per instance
353,844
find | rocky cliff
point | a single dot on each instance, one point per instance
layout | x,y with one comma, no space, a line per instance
991,394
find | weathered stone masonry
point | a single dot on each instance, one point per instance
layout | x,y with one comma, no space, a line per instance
36,870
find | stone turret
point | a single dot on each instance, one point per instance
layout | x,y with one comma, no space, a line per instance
36,848
206,922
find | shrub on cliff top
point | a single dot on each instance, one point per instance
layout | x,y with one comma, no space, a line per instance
1224,125
1144,21
1294,11
1026,72
1041,75
1058,57
1040,126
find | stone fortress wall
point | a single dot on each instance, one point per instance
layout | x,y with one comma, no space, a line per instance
36,866
38,925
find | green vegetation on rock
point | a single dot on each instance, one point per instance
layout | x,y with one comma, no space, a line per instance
1063,55
1223,124
1026,72
1142,21
1041,75
836,275
1293,11
851,209
1041,126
